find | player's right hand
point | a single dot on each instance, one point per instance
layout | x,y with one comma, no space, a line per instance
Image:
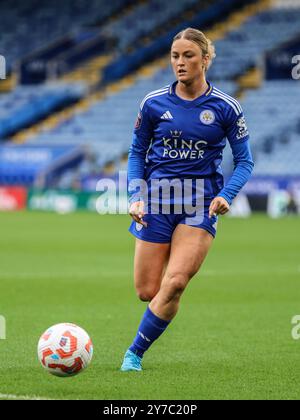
137,212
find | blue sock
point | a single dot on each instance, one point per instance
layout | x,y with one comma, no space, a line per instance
149,330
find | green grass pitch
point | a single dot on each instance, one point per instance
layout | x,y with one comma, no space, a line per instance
231,339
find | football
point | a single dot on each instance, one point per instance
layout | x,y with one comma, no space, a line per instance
65,350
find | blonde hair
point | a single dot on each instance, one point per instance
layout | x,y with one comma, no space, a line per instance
205,44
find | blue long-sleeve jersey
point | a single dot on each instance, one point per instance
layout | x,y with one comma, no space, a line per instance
176,138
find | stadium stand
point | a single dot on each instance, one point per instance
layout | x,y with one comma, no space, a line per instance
266,114
143,19
103,123
274,127
278,136
216,12
26,105
83,54
287,4
91,67
28,26
246,45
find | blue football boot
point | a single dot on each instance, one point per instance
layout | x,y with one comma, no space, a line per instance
131,362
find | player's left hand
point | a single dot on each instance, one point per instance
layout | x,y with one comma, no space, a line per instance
218,206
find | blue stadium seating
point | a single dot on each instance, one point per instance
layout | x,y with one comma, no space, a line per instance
143,19
284,158
244,47
272,114
30,25
26,105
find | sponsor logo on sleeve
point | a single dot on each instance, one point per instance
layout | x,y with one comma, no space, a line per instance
242,128
138,122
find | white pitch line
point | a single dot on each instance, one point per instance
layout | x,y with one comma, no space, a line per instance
22,397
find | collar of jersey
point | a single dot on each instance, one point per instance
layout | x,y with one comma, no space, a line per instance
186,103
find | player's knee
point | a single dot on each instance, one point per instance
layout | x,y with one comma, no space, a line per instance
176,284
146,295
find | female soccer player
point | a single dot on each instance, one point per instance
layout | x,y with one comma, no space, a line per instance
180,134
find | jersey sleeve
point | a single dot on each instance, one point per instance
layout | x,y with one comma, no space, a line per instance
142,136
243,167
235,125
238,137
143,130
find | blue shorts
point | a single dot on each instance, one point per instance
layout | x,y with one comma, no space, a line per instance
161,226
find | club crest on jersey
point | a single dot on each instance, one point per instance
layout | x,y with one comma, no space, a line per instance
138,227
138,122
207,117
